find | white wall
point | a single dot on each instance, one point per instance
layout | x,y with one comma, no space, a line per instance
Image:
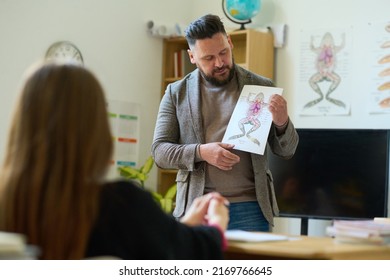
113,40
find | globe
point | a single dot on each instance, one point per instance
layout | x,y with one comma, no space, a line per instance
241,11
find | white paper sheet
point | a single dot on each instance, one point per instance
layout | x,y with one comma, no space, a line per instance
251,120
246,236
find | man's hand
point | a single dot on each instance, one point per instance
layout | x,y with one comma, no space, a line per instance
278,108
218,155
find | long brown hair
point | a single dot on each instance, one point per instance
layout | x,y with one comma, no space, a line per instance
58,151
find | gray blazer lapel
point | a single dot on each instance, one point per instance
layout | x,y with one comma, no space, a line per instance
194,104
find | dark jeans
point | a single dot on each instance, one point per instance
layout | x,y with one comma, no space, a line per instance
247,216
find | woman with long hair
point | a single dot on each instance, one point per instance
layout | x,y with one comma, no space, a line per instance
53,188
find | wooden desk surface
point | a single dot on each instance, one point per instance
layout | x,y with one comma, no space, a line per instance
305,247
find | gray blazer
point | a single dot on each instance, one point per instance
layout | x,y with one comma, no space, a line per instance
179,131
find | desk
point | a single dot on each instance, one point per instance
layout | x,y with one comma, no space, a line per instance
305,247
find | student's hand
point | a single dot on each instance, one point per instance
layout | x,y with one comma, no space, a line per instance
199,211
218,214
218,155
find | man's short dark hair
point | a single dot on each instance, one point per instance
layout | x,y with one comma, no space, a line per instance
204,27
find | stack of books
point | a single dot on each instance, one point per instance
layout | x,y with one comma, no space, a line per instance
13,247
375,231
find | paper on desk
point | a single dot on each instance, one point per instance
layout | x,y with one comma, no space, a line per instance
246,236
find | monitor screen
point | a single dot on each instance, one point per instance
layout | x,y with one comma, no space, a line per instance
334,174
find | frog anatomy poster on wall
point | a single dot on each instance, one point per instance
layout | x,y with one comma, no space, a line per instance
251,120
325,72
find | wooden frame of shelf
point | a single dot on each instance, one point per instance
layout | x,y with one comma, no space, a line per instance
254,51
166,178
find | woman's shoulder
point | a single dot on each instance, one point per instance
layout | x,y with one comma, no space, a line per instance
121,184
129,200
123,190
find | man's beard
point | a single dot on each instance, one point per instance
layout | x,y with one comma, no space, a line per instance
215,81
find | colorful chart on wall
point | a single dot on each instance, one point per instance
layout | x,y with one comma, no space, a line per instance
377,69
125,126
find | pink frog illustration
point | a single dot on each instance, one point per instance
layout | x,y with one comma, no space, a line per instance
256,104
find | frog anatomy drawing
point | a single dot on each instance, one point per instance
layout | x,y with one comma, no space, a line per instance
325,64
255,106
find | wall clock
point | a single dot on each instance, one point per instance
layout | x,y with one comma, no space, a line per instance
64,51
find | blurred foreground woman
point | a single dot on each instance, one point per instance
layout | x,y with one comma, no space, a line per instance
53,188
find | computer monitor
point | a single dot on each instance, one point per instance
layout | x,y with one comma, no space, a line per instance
334,174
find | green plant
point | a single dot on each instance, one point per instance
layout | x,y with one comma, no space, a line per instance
141,175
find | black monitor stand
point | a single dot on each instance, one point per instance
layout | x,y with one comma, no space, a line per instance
304,226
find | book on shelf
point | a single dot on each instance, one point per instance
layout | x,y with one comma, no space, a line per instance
176,64
182,63
186,64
